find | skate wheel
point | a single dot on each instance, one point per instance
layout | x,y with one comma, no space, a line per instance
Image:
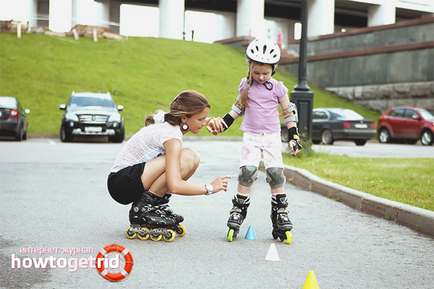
288,237
171,237
156,237
145,236
181,230
275,237
129,234
231,235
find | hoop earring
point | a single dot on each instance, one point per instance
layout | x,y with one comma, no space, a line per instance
185,127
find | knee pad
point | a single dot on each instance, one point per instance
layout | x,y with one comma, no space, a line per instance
286,113
275,177
247,175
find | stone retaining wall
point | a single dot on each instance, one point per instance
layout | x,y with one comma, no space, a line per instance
381,97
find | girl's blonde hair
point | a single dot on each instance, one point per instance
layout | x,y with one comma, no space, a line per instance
244,95
186,103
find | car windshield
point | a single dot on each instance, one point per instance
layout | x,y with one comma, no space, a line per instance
7,102
90,101
345,114
427,113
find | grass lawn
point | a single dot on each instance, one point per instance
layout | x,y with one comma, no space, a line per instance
409,181
143,74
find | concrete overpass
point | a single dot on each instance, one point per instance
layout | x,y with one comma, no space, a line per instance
248,17
236,17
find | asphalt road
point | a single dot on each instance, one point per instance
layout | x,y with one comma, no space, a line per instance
54,197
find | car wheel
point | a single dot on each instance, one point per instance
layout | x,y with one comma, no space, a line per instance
426,137
327,137
64,136
19,136
384,135
360,142
118,138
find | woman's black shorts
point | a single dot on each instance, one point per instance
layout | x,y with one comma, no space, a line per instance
125,186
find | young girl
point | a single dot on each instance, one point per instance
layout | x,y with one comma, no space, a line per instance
152,165
258,100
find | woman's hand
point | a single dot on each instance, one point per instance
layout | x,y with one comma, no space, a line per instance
221,183
216,125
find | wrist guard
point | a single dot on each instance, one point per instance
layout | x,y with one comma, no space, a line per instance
228,120
293,136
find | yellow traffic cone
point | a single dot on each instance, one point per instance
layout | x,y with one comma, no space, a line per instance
310,282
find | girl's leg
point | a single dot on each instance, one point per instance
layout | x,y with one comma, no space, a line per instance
272,150
244,190
251,155
279,202
154,175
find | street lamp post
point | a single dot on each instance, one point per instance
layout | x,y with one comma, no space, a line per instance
302,96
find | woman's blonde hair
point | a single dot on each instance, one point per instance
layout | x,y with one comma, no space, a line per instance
186,103
244,95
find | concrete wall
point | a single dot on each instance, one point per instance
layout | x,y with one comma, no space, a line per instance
382,68
377,67
373,37
381,97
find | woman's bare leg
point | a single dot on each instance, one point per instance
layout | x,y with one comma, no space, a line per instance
154,175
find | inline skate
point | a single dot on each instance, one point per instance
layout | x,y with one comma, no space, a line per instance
147,219
279,217
237,215
164,207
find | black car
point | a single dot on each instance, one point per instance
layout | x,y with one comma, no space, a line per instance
92,114
332,124
13,119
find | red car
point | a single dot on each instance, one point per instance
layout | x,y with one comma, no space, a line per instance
407,123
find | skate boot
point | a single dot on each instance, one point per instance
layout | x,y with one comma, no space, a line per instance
279,217
164,207
147,220
237,215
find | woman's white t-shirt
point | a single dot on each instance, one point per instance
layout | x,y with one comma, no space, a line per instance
146,145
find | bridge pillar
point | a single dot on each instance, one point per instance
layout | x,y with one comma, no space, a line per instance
250,18
33,13
321,17
60,15
108,14
382,14
171,19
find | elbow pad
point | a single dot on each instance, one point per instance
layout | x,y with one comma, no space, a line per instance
238,108
286,113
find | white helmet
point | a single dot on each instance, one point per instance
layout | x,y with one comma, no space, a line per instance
264,51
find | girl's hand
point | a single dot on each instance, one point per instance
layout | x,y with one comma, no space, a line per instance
216,125
221,183
292,144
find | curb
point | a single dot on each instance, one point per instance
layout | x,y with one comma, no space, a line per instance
416,218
